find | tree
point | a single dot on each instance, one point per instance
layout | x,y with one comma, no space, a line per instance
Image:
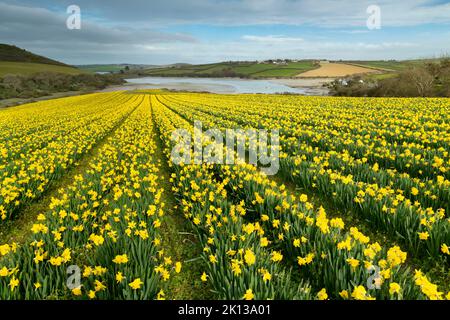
421,79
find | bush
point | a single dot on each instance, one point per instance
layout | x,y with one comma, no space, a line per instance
431,79
45,83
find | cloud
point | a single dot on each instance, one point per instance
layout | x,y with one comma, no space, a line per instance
355,31
29,23
40,29
248,49
136,31
272,39
273,46
329,13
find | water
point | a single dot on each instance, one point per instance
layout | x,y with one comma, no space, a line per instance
221,85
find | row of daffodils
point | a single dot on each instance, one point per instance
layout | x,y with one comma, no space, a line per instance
99,237
385,161
336,262
320,154
38,146
238,262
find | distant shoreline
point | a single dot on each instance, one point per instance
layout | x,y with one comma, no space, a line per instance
230,85
313,84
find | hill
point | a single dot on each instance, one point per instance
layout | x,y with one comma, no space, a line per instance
26,75
15,54
244,69
114,67
27,68
410,78
392,65
379,69
14,60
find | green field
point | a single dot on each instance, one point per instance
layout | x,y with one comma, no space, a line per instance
253,69
102,68
381,76
391,65
26,68
236,69
382,65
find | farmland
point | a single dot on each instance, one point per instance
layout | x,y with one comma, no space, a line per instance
235,69
330,69
392,65
89,183
374,69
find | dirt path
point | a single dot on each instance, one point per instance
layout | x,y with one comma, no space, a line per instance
179,240
330,70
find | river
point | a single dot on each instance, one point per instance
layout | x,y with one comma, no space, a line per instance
231,85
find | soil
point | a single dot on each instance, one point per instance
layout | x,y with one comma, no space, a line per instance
330,70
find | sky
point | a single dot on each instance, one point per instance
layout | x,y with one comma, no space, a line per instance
205,31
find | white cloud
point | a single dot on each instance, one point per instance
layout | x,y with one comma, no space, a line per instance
45,32
307,49
324,13
121,31
272,39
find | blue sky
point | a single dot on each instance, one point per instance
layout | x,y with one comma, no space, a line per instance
202,31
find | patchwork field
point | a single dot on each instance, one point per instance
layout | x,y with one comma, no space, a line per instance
235,69
358,209
392,65
333,70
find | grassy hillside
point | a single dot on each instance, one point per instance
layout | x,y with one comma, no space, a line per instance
235,69
413,78
26,68
14,60
113,67
252,69
33,76
15,54
392,65
101,67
